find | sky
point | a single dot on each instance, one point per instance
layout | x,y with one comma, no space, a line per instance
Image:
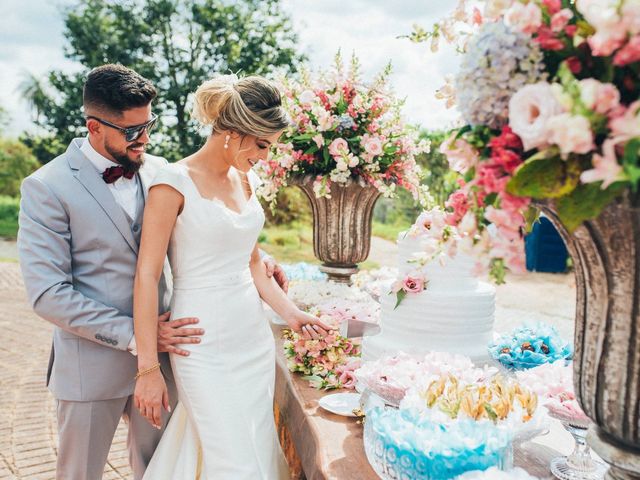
32,41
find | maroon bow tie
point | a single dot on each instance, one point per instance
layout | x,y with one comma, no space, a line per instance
112,174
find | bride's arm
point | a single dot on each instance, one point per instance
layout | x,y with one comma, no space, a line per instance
277,299
162,208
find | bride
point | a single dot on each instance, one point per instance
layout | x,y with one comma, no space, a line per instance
204,211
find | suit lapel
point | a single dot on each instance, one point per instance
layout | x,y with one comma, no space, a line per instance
90,179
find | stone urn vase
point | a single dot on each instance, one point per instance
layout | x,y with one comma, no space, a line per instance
341,226
606,253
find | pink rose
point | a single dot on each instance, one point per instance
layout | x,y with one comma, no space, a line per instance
339,147
459,153
605,167
525,17
572,133
530,109
630,53
372,144
413,284
600,97
561,19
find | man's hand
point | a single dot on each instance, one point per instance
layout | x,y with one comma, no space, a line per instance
274,270
172,333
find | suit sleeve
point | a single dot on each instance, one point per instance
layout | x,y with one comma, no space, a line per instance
44,249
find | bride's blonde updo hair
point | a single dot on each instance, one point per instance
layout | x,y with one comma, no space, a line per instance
249,106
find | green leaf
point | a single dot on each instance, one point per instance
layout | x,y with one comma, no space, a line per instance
311,149
491,413
545,177
326,157
630,161
400,297
586,202
531,216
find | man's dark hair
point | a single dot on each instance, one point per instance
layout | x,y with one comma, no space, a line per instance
114,88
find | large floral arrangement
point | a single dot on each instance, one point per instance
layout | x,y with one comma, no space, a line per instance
343,130
549,92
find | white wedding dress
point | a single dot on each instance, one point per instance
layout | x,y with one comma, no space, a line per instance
223,427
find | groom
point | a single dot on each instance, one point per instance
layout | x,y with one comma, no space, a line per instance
80,225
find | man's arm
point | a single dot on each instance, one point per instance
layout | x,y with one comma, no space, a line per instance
44,247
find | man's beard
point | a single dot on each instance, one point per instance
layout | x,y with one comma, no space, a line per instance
124,160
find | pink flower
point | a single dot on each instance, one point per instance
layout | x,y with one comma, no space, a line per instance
572,133
574,65
413,284
553,6
606,167
626,125
530,108
600,97
339,147
547,40
372,144
459,202
319,139
561,19
630,53
525,17
459,153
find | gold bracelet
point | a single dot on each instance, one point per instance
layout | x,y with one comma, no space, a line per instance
148,370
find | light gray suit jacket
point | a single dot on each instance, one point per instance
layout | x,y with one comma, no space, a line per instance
78,258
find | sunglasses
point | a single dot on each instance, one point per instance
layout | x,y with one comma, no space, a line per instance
131,134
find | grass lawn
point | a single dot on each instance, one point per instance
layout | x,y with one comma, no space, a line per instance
293,243
8,228
389,231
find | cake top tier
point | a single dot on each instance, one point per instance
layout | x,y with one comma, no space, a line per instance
443,269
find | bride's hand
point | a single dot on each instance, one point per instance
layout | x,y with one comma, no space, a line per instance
150,396
308,325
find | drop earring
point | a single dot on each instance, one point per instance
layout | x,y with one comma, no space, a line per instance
226,142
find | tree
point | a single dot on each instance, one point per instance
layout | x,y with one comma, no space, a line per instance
175,44
16,162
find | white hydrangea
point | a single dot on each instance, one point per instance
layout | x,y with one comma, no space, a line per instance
497,63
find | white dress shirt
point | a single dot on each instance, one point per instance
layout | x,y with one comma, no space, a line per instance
124,190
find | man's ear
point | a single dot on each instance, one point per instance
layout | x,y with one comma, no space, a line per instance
93,126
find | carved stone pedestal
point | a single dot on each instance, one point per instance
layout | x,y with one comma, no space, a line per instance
341,226
606,254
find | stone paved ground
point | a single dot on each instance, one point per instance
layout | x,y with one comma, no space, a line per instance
27,415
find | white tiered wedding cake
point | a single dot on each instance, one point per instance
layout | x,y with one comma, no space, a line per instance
455,313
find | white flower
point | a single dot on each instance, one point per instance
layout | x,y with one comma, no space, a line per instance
529,110
598,96
496,8
572,133
307,97
524,17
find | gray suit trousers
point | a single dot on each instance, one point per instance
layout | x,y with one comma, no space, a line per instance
86,430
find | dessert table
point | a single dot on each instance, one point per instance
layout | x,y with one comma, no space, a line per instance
321,445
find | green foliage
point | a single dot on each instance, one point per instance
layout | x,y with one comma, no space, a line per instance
440,179
586,202
16,162
175,44
290,205
44,148
9,209
545,175
631,161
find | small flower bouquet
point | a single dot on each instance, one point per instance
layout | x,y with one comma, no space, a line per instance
530,346
342,131
550,98
410,284
327,363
